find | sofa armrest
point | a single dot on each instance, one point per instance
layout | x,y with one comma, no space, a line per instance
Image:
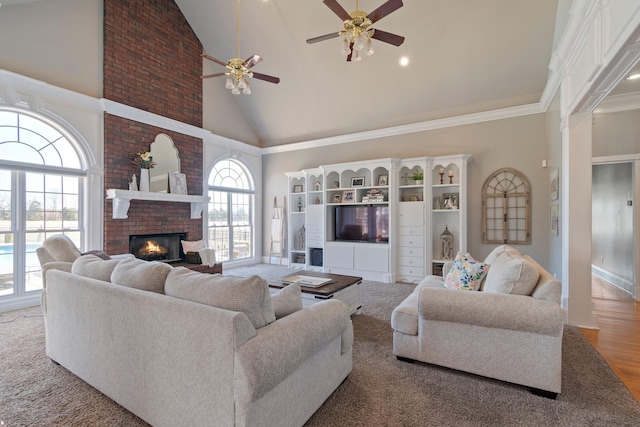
500,311
278,348
54,265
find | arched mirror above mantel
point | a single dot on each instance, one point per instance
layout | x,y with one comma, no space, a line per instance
165,155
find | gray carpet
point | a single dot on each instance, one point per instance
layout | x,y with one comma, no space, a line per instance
380,391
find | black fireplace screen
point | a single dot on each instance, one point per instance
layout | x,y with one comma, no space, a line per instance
157,247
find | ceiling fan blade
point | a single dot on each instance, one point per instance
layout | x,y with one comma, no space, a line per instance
337,9
322,38
390,38
350,52
212,75
384,10
252,60
266,78
211,58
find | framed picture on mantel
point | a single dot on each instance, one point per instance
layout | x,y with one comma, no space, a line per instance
178,183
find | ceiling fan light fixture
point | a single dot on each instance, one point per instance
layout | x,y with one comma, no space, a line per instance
346,50
370,50
246,90
235,91
229,84
242,83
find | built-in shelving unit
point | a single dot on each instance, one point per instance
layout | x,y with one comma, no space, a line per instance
374,219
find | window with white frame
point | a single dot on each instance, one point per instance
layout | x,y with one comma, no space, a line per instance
41,179
230,228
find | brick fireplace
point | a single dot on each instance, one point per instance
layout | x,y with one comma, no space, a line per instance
151,62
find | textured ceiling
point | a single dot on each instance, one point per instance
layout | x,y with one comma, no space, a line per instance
466,56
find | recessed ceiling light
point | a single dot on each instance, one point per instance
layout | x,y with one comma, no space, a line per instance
404,61
634,75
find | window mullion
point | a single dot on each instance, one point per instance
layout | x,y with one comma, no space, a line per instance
19,226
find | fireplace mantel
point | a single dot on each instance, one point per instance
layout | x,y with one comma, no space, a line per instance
122,198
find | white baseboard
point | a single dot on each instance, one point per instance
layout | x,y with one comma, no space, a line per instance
30,300
617,281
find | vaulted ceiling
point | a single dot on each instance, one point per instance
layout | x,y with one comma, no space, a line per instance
465,56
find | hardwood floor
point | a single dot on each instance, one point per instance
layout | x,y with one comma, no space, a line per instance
618,339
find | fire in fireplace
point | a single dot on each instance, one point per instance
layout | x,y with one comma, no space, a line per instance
157,247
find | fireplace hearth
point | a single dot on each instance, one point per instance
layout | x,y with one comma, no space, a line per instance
164,247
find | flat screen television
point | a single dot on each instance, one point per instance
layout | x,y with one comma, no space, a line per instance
362,223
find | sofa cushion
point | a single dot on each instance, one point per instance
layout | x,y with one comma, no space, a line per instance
249,295
512,274
140,274
496,252
61,248
466,273
287,300
94,267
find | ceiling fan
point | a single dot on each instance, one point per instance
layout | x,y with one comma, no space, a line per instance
357,31
238,69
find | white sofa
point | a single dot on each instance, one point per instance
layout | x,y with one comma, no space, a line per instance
223,361
506,336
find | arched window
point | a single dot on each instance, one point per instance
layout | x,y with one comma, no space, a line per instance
231,200
41,178
506,208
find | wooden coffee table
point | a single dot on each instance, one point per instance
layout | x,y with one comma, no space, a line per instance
341,287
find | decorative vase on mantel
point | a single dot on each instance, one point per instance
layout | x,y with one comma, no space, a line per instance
144,180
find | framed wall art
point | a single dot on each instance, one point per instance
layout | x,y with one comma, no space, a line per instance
554,187
177,183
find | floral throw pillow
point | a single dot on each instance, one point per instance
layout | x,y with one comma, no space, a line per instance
466,273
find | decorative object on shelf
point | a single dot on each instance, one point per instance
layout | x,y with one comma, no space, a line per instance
414,197
348,196
133,184
357,32
450,200
238,73
357,181
405,179
299,204
298,188
336,184
317,186
383,179
554,184
316,201
337,198
436,203
446,244
177,183
373,196
437,269
301,237
144,180
441,173
450,177
143,159
418,177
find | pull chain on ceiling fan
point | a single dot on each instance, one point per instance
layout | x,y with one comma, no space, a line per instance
238,74
357,33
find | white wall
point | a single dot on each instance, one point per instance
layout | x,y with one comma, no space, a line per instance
518,143
56,41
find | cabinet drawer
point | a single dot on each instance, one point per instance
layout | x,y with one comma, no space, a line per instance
314,229
315,243
410,261
403,271
410,241
315,236
410,251
411,231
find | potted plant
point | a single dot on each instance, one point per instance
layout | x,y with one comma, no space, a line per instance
418,177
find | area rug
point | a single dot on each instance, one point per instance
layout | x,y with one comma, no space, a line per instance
380,391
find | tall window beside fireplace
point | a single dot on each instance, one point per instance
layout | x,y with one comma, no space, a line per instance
230,229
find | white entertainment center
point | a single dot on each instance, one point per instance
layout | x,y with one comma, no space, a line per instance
375,220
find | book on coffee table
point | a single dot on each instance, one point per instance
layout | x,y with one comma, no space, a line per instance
310,281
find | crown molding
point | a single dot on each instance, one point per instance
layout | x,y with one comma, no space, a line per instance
505,113
616,103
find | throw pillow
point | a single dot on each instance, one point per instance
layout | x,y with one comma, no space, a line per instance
287,300
140,274
94,267
249,295
193,246
512,274
466,273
